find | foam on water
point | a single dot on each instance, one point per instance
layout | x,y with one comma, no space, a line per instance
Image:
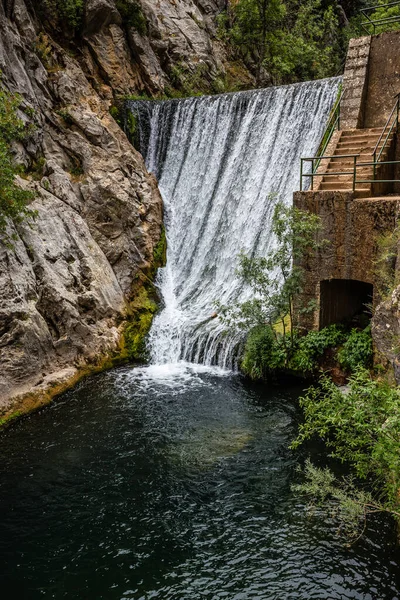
221,162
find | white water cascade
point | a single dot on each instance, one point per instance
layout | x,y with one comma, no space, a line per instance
218,160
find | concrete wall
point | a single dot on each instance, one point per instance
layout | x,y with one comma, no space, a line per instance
355,81
351,227
383,78
371,80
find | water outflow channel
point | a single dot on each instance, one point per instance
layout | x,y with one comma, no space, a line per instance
221,162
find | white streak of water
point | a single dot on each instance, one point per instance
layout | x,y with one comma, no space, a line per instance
218,160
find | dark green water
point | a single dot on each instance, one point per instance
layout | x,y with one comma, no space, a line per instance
172,485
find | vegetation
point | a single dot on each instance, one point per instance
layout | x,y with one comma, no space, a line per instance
68,14
275,282
361,427
132,15
142,310
291,40
143,307
357,350
386,277
266,351
13,199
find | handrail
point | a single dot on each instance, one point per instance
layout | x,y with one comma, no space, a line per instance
377,22
395,123
386,124
330,127
315,174
353,172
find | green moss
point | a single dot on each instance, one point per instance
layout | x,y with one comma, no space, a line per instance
160,251
131,125
143,307
140,316
9,418
115,112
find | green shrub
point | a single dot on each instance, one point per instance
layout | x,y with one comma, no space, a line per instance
357,350
311,347
262,354
361,427
62,11
132,15
267,350
13,199
386,12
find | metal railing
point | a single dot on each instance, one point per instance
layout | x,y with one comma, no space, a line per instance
353,172
374,23
391,125
314,173
332,125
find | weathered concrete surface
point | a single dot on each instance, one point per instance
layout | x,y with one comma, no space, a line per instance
355,83
351,228
383,78
65,284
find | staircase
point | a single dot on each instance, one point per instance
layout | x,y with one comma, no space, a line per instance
355,141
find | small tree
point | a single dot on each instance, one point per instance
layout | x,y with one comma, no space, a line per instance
249,25
276,280
361,427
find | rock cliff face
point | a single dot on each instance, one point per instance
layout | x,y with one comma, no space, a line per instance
65,283
67,280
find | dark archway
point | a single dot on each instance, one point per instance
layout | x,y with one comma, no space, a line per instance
343,300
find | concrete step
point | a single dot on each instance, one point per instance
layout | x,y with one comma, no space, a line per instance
359,135
358,150
344,186
354,144
361,157
362,138
346,177
370,130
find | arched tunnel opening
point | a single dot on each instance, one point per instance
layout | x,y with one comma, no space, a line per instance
345,301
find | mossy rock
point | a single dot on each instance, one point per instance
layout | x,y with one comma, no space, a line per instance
143,307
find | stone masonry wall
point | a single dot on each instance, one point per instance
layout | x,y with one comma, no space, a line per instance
351,228
383,78
355,80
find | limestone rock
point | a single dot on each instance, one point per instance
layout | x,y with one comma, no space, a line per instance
99,14
65,282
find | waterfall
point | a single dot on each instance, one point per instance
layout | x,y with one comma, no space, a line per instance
221,163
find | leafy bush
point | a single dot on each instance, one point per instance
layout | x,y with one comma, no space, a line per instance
132,15
62,11
383,12
267,351
357,350
263,354
341,499
311,347
13,199
362,428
